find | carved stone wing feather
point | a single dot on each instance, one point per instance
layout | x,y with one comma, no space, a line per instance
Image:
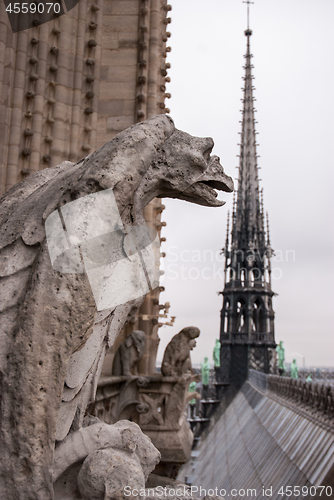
44,318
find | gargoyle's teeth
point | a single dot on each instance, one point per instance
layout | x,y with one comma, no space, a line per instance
209,188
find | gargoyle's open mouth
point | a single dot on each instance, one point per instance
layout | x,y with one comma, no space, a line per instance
204,193
209,192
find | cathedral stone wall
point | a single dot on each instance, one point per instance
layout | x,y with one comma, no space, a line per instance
69,85
133,69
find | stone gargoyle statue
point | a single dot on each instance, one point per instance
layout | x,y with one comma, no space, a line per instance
129,354
53,336
176,360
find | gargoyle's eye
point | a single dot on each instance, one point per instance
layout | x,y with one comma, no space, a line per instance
207,153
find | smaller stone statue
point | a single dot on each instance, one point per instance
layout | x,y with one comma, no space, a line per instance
216,358
129,354
281,357
205,368
192,402
294,369
176,360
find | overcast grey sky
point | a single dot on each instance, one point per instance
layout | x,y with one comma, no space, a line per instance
293,48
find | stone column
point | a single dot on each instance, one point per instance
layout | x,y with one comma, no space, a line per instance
39,101
15,133
4,92
78,77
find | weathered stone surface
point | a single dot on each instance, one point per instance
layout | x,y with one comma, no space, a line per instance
116,123
123,436
56,311
104,473
120,23
118,90
104,458
174,444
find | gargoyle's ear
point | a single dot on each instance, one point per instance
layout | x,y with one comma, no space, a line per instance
128,341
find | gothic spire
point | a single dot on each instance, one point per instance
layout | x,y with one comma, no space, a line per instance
247,318
248,230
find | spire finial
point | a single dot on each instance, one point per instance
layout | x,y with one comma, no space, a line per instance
248,32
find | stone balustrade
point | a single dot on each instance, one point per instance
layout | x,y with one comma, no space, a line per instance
315,398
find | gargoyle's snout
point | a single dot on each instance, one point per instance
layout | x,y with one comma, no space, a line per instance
204,189
216,176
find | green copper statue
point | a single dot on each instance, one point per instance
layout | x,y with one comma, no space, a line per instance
205,368
216,354
294,369
281,357
216,359
192,388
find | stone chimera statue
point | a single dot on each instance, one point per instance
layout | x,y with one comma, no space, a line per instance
129,354
53,341
176,360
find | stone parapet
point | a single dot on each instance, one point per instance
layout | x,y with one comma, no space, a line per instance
314,399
